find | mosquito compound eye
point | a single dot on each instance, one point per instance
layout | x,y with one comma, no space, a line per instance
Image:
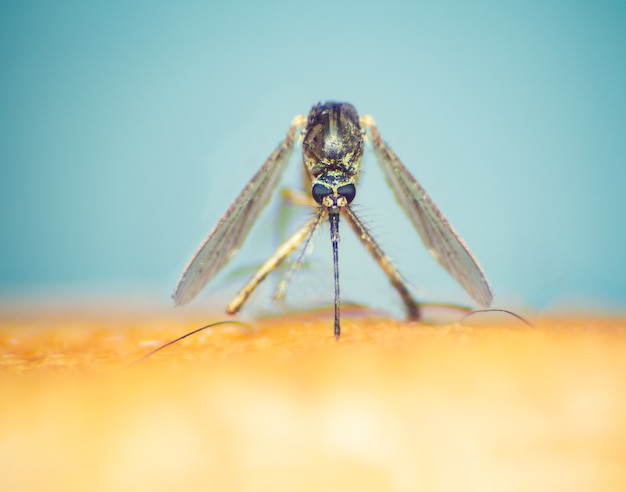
348,191
319,191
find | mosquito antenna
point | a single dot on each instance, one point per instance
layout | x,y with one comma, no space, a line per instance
210,325
505,311
334,238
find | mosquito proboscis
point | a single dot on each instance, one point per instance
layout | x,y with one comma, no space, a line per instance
333,138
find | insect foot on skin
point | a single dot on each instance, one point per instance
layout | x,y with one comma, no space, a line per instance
332,139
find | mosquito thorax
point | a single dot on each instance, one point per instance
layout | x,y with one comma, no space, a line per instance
333,142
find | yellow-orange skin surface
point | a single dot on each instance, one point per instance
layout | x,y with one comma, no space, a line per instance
391,406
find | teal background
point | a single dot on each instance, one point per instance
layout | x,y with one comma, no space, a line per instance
126,128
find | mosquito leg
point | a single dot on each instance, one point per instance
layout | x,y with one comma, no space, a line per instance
276,259
282,286
297,197
291,203
438,235
412,306
300,198
290,200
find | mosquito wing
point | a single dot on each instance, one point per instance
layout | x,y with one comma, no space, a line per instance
438,235
228,234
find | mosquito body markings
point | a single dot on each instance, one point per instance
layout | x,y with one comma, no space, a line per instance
333,137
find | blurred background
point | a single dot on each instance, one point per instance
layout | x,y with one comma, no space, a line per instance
127,128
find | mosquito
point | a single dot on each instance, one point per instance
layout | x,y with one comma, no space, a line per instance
333,137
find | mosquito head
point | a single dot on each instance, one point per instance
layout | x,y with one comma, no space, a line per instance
332,195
